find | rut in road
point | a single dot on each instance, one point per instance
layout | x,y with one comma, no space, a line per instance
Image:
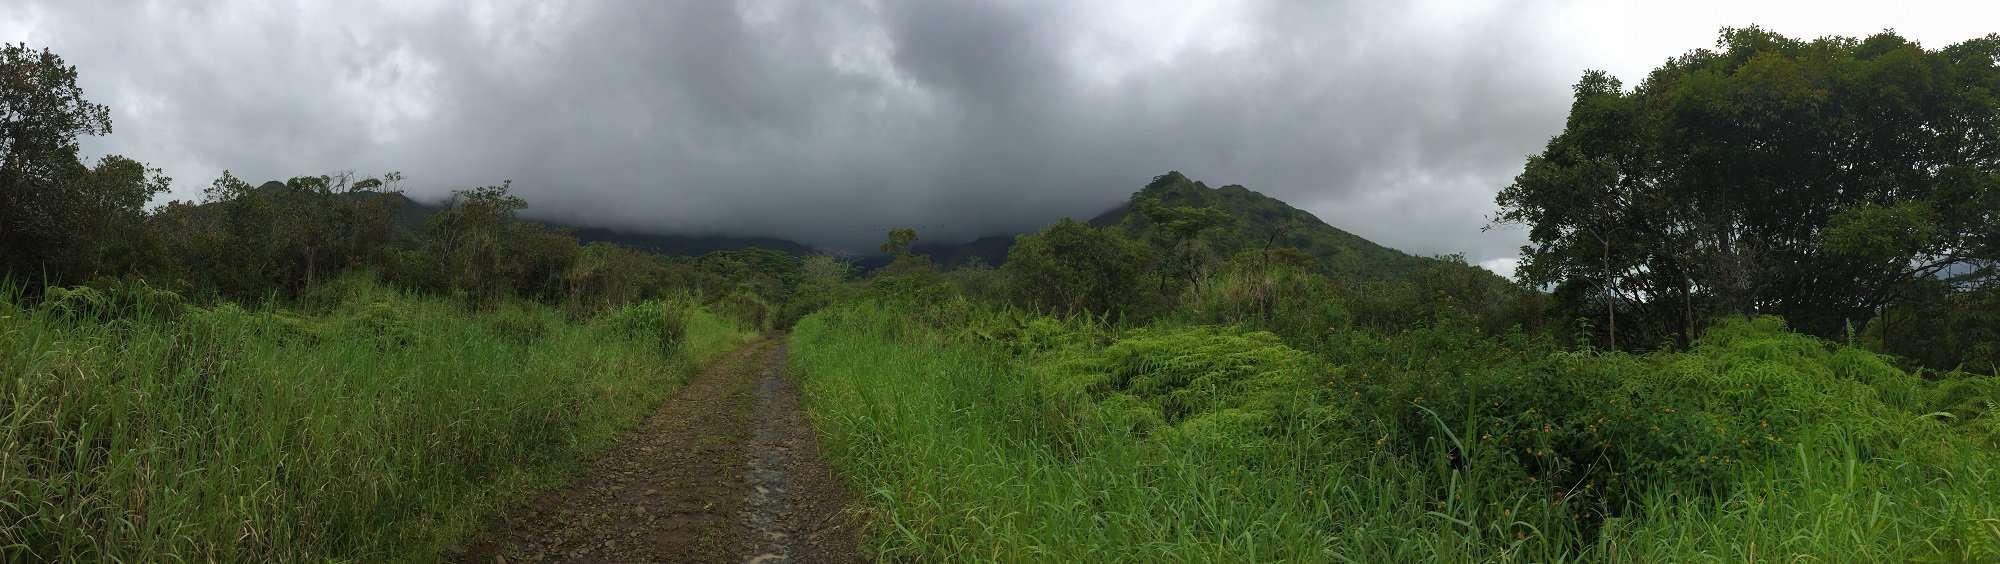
728,469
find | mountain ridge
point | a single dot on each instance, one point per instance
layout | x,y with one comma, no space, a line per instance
1260,220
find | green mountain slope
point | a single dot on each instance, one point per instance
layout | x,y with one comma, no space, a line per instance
1259,220
410,215
1262,220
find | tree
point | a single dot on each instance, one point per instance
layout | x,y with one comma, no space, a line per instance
1810,179
1178,232
1071,267
605,274
470,239
329,223
899,241
483,248
42,113
246,239
106,227
821,280
903,260
58,216
1942,328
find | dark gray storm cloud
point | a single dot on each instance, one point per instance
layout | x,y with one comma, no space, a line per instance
832,120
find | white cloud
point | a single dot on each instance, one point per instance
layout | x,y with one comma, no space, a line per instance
1504,266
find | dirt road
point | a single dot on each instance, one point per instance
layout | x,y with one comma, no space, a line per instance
727,470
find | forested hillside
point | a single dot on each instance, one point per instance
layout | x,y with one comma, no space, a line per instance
1243,219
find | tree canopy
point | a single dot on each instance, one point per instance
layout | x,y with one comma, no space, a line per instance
49,200
1071,267
1816,180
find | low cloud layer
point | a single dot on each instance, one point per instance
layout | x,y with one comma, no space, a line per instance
831,120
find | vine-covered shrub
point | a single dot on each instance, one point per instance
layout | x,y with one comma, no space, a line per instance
1748,391
1220,390
114,298
275,325
1021,333
1075,436
387,324
1970,402
1611,425
80,301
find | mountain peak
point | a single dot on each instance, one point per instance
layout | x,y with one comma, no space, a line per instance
1263,220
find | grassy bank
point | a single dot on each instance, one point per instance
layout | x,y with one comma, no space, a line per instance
1006,438
366,425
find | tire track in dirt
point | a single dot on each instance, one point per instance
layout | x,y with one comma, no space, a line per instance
728,469
795,503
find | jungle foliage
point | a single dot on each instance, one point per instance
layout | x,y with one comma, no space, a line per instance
1823,181
1757,324
1073,438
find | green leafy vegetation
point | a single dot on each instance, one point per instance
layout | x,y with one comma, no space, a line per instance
305,370
1208,374
1822,181
138,428
1034,437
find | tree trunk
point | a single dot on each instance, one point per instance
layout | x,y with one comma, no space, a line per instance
1610,297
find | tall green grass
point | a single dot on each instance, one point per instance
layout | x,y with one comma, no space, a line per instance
378,426
1055,441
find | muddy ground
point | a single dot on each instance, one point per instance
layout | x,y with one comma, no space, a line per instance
728,469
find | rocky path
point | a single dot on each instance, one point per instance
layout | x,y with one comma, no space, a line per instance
727,470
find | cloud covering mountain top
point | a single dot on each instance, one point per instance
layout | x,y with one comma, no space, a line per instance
831,120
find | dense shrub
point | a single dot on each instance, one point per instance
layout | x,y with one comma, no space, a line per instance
1021,333
1294,303
1613,425
822,280
275,325
673,330
386,324
1216,388
518,323
662,323
348,289
1071,267
81,301
748,307
114,298
1076,438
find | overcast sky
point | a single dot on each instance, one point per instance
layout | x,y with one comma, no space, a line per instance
831,120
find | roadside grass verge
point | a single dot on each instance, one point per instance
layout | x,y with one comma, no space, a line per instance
380,426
